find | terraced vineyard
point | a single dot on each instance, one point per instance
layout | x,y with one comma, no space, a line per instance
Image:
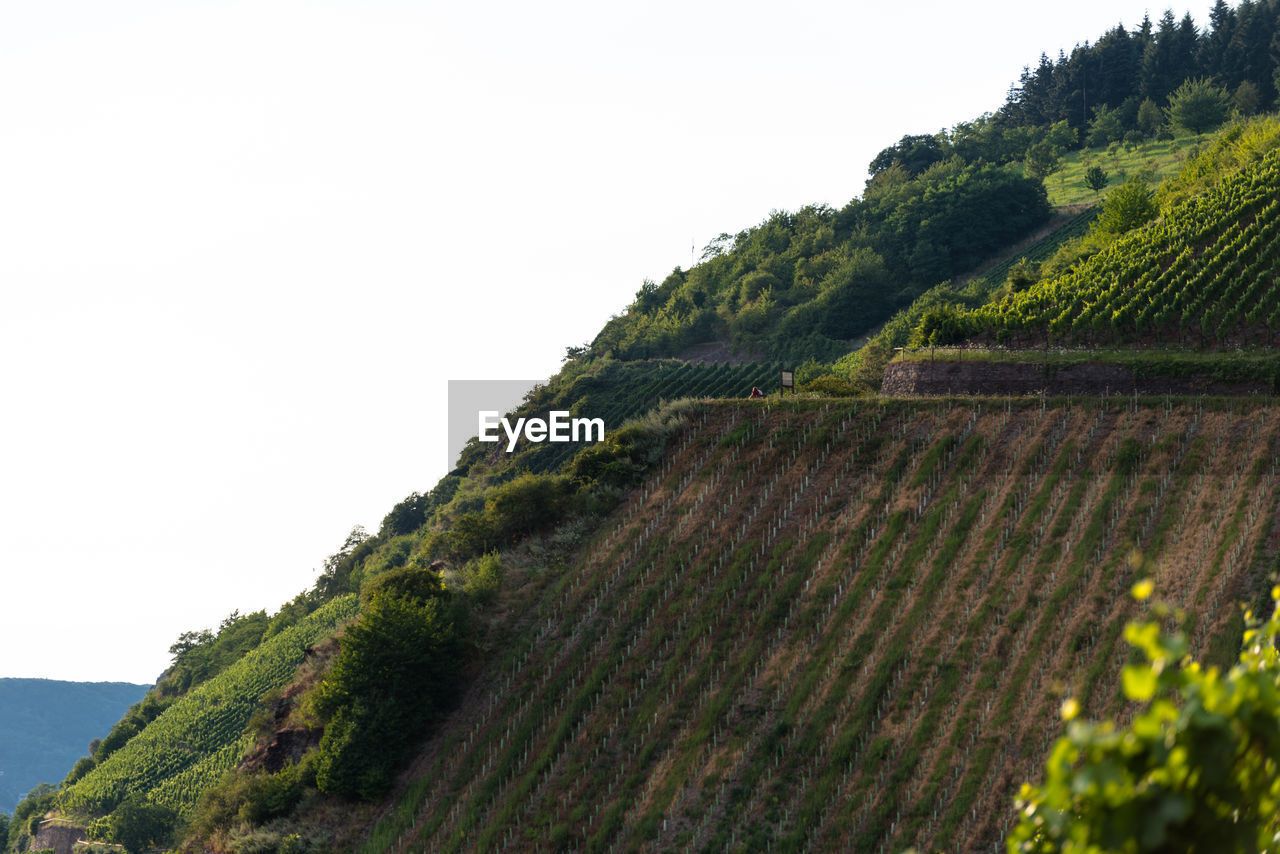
844,626
186,749
1205,274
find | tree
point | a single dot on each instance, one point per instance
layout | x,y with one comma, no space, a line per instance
1150,117
1246,99
138,824
1061,137
1162,62
1196,770
1198,106
395,670
647,297
83,766
1042,161
407,516
1095,178
1106,127
1127,207
914,153
1215,48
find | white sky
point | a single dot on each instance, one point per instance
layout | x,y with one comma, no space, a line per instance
244,245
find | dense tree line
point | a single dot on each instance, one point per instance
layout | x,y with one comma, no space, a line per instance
1122,69
1127,85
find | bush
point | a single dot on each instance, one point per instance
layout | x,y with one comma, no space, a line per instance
527,504
396,668
138,824
83,766
1196,770
250,796
1126,207
481,577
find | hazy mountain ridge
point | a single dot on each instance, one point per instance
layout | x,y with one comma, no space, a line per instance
46,725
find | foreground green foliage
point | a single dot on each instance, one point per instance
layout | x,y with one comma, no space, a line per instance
1198,769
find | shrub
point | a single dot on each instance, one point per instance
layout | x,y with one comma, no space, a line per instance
395,669
138,824
527,504
1196,770
1128,206
482,576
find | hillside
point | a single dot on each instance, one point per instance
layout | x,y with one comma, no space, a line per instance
1202,274
835,621
1157,158
203,734
46,725
844,622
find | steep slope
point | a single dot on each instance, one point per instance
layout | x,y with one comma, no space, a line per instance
848,625
800,285
46,725
1204,274
867,363
189,746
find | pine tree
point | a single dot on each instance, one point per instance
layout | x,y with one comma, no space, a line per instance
1250,49
1159,61
1214,46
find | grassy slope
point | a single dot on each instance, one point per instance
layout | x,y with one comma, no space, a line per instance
842,623
1161,158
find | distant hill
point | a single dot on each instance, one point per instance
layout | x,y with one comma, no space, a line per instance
45,726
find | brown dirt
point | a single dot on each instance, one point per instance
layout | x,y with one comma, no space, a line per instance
680,654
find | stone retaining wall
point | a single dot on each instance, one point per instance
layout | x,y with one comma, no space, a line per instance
60,836
1019,378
